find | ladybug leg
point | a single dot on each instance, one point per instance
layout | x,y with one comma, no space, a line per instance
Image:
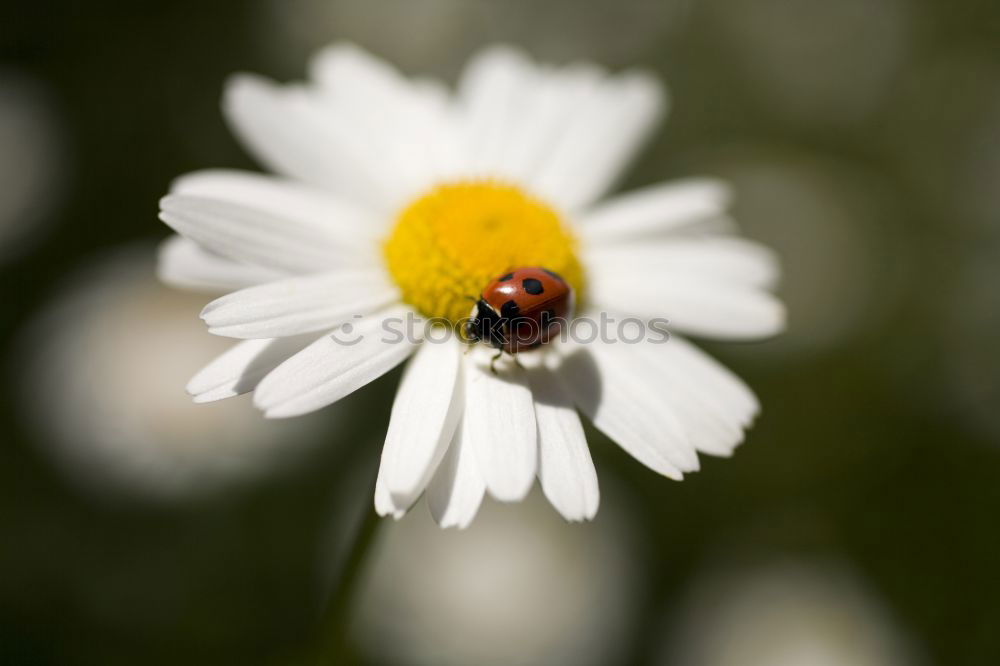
493,362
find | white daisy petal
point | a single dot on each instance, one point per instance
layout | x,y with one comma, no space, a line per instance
565,468
600,138
291,131
425,412
713,405
714,382
689,390
691,304
336,365
565,132
543,110
383,502
499,422
515,112
384,505
299,304
457,489
681,259
490,92
656,209
249,235
357,77
184,264
403,122
241,368
621,405
353,227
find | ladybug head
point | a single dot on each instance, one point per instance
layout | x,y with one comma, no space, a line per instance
470,331
484,325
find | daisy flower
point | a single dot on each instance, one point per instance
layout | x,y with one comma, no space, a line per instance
399,198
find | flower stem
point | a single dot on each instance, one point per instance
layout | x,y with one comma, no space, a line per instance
333,645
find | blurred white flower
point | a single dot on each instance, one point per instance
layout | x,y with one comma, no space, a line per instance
400,198
518,587
33,152
111,412
786,614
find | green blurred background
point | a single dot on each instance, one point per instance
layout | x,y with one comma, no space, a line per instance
858,524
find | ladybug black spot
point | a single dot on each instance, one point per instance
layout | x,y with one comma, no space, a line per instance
509,310
554,274
504,278
547,317
532,286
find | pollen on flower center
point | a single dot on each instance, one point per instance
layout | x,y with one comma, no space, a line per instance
448,244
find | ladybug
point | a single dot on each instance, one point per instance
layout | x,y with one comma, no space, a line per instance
520,310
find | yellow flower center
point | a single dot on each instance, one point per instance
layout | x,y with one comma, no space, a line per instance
448,244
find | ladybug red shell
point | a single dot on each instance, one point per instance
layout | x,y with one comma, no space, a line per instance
521,310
